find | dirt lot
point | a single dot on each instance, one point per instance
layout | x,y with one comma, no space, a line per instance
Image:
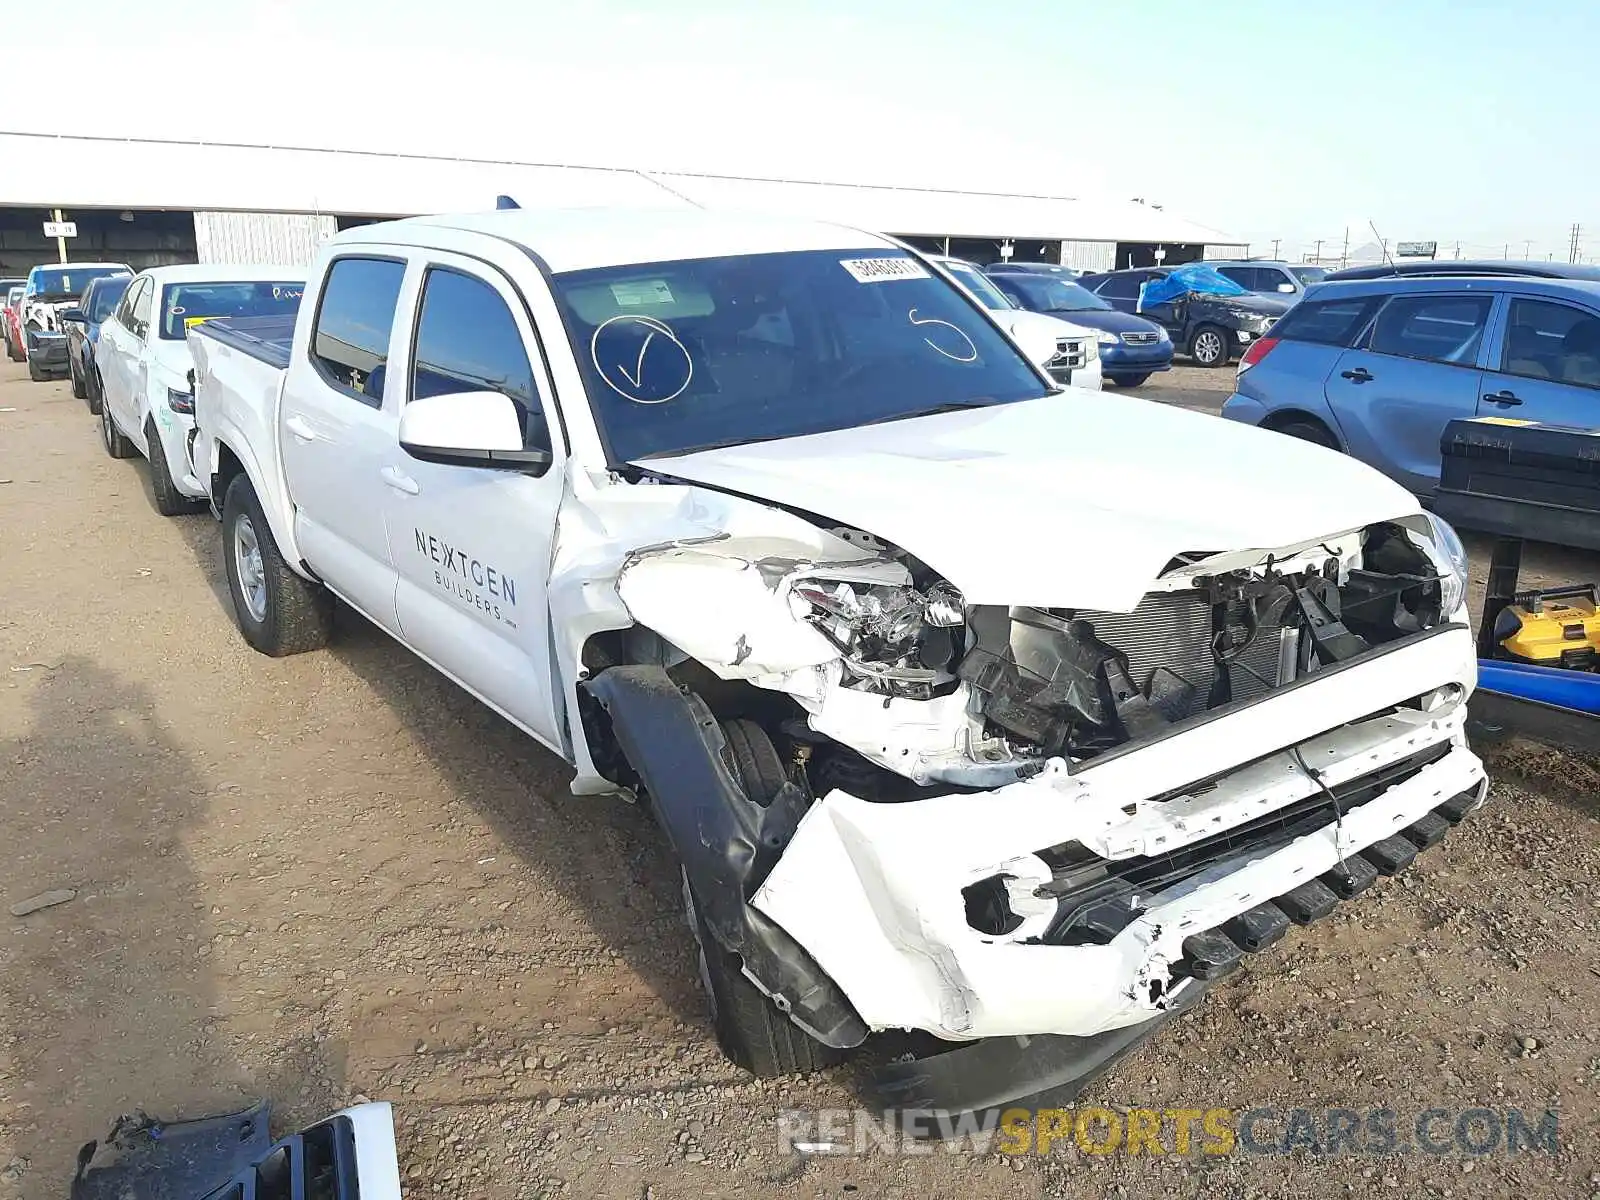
336,876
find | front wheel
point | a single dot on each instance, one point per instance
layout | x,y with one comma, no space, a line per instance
1129,381
117,446
751,1030
1209,346
278,612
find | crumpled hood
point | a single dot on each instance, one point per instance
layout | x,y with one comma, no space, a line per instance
1071,501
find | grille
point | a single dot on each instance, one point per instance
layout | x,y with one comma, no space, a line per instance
1100,897
1069,353
1173,630
1141,339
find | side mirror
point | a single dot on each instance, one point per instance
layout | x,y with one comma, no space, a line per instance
73,314
1286,287
467,429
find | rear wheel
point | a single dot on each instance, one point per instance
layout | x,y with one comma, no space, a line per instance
278,612
78,389
751,1030
170,502
1209,346
96,394
1309,431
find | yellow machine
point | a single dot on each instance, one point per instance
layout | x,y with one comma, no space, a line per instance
1556,627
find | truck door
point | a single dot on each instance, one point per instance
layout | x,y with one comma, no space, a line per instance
472,545
338,419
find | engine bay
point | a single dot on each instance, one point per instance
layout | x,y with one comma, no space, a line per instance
1076,683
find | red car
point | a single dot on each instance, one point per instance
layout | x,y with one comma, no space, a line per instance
11,320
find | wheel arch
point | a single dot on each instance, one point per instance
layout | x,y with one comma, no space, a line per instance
1279,418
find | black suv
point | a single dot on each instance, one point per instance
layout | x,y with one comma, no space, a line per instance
1212,330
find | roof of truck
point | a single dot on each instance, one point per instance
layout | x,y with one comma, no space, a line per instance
576,239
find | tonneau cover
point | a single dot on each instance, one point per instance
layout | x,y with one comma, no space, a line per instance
265,338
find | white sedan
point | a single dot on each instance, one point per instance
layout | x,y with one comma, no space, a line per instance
145,364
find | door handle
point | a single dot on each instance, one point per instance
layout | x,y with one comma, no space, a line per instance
1359,375
300,428
399,480
1503,397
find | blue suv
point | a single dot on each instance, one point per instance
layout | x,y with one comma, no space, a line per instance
1378,367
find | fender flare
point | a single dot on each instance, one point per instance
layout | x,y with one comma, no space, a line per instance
726,842
271,498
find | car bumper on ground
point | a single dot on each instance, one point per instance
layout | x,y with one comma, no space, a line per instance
1122,360
881,895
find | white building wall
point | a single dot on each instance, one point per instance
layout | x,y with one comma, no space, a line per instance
1226,250
281,239
1089,256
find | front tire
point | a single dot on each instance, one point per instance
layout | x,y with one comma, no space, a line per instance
1209,346
1131,381
117,446
170,502
750,1029
278,612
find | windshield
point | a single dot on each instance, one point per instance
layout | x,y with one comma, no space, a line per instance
976,282
105,297
685,355
1309,275
1044,294
185,305
67,283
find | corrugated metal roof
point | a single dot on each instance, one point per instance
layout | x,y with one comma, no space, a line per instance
89,172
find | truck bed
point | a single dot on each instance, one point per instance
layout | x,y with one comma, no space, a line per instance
265,338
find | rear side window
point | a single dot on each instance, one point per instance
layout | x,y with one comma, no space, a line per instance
1443,329
1552,341
139,313
1123,287
467,341
350,344
1327,322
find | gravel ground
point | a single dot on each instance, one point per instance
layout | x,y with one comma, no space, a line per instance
336,876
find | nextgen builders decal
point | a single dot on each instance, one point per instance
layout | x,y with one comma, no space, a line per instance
485,588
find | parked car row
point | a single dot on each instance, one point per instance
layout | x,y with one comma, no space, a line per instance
1377,363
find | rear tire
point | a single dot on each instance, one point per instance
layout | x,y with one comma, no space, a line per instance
278,612
750,1029
96,394
117,445
1309,431
78,389
170,502
1209,346
1131,381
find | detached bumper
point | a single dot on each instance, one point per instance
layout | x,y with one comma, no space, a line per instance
47,349
1175,837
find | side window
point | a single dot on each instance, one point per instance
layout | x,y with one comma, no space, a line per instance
355,315
139,315
125,309
1121,287
467,341
1009,290
1552,341
1443,329
1245,277
1327,322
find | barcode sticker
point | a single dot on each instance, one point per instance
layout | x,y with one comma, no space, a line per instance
883,270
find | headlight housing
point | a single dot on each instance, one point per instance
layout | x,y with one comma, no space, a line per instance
1107,338
1450,556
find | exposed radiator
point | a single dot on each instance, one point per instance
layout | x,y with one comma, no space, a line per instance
1174,630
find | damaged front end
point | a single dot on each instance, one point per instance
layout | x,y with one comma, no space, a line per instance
1037,819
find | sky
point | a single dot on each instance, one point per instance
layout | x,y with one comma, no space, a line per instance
1446,120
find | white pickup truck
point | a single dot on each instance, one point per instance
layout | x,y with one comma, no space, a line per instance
970,705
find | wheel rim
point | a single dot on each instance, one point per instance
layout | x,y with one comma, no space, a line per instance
247,565
1208,347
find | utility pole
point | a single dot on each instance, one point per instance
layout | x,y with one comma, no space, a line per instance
1506,253
1458,250
1527,249
61,242
1275,249
1572,249
1317,257
1344,257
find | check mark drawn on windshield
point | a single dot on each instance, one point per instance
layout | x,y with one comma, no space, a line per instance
674,368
